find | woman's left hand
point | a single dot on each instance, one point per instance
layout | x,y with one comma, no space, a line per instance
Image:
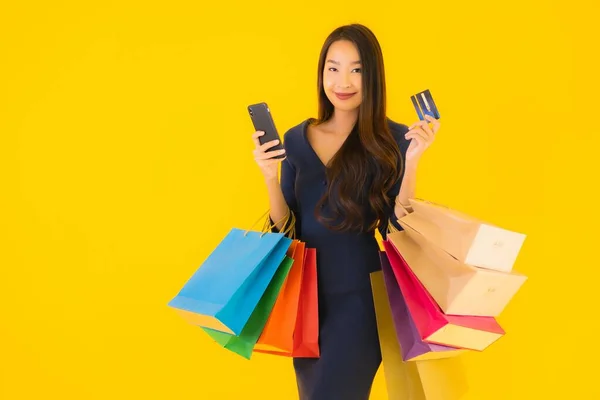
422,135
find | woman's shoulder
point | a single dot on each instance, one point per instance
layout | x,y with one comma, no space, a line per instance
294,135
296,130
398,130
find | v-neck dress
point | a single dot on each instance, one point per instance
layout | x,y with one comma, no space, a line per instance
349,344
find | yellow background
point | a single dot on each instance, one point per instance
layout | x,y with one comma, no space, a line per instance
125,156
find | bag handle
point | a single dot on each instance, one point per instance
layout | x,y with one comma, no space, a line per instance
407,210
433,203
391,228
267,226
289,230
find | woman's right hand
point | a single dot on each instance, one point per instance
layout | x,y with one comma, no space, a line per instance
267,164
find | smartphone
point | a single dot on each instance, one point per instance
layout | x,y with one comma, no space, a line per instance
261,117
424,104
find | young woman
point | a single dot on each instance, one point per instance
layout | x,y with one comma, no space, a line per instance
345,175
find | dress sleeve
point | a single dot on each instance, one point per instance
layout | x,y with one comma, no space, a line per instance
288,187
398,130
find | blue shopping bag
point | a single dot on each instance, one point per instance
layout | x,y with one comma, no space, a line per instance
226,288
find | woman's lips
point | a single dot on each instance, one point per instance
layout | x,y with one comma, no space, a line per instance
344,96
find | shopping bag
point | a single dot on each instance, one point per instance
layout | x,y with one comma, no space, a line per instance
306,330
306,335
244,343
467,332
437,379
278,334
389,301
224,291
458,288
470,240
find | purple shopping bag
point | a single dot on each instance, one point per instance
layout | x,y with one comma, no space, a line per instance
413,348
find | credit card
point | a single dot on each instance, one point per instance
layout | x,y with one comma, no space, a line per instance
424,105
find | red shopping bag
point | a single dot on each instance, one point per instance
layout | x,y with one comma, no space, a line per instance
306,335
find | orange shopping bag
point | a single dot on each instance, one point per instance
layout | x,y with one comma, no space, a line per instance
278,332
293,330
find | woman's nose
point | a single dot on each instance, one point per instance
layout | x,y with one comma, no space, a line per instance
344,81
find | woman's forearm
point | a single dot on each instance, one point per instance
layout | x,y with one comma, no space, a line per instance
407,190
279,209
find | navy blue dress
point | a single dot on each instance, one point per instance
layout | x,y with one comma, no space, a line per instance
349,344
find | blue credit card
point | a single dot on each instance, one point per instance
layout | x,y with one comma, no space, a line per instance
424,105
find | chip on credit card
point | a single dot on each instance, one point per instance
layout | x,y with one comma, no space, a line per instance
424,104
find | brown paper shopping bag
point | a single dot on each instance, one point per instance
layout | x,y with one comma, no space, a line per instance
458,288
470,240
440,379
461,331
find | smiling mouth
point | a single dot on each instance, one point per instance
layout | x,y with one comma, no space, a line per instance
344,96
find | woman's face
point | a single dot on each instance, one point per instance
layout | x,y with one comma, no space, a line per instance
342,80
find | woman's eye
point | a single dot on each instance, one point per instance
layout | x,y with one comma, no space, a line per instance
333,69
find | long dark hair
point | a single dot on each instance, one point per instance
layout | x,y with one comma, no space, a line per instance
369,158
